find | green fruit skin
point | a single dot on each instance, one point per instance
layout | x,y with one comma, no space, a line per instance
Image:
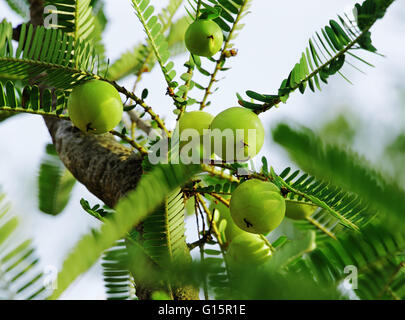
199,121
95,107
248,248
298,211
243,119
257,206
204,38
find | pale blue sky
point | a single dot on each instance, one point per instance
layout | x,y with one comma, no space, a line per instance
275,35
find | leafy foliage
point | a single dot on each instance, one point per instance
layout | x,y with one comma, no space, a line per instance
347,208
323,223
130,211
96,211
345,229
55,183
326,54
21,7
19,274
31,100
116,277
291,251
246,282
343,169
225,187
164,230
156,38
228,15
226,12
141,58
376,253
47,56
218,274
75,17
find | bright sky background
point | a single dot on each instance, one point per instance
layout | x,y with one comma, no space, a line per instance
275,35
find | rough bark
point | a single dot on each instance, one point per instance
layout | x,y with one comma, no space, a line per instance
107,168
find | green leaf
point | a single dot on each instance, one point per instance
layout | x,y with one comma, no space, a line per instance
21,7
30,101
343,168
117,280
55,183
59,62
376,255
75,17
292,250
20,276
130,211
164,229
154,30
334,43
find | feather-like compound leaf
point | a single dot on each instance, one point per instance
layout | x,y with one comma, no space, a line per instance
13,101
46,56
74,17
155,34
20,276
133,209
346,170
55,183
117,280
376,257
327,53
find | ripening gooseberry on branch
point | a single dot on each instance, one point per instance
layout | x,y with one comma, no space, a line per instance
257,206
196,122
204,38
237,134
95,107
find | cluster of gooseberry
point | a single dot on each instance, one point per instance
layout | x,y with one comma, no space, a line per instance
96,106
229,133
256,207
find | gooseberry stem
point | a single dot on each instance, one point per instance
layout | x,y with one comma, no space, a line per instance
272,249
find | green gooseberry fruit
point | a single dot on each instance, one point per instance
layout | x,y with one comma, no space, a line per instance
299,211
198,121
204,38
257,206
95,107
237,134
231,229
248,248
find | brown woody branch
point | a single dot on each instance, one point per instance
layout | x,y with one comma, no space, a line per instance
107,168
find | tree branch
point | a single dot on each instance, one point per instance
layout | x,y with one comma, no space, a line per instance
107,168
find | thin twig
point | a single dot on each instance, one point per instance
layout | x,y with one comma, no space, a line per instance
36,112
212,171
142,103
220,62
133,143
142,125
